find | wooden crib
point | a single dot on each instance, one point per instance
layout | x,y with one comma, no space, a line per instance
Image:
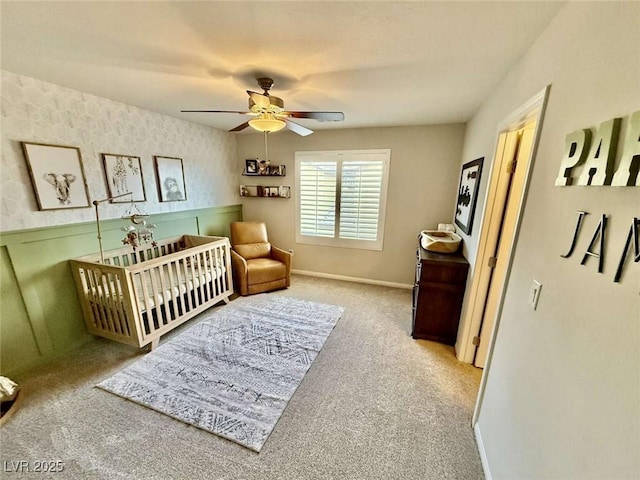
136,297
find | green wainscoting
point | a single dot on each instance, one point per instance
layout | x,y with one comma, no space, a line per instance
40,317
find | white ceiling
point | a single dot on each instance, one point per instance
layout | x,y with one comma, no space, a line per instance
384,63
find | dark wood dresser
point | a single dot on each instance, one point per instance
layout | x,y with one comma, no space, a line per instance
437,295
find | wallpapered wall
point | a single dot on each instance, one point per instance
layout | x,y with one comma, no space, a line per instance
41,112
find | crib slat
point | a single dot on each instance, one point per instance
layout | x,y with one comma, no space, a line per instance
166,318
142,276
189,303
106,303
98,300
211,270
221,264
156,299
119,306
174,278
116,304
226,264
91,292
215,280
110,302
202,279
194,277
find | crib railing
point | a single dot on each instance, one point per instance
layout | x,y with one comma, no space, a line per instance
103,291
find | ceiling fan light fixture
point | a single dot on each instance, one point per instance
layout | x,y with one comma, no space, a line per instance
267,123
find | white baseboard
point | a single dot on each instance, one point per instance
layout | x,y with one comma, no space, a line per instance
482,452
352,279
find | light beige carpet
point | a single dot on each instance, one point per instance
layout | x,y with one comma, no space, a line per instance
375,404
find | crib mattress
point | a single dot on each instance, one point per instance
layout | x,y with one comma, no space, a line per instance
181,284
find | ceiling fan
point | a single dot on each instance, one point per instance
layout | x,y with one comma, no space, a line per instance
271,115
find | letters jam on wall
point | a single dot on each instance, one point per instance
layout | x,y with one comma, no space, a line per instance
597,241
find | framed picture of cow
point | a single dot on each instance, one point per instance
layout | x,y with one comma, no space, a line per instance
57,176
124,176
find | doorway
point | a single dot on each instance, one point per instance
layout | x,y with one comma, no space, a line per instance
513,159
512,168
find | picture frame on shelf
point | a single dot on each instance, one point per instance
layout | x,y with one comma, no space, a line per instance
248,190
123,174
57,176
170,176
284,191
251,166
276,170
468,194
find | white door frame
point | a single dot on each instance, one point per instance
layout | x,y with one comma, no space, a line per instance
533,109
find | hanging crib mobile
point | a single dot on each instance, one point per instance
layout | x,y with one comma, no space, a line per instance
139,232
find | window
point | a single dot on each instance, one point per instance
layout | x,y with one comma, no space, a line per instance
341,198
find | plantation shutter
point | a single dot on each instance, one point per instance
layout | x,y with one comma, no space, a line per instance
318,183
341,198
361,188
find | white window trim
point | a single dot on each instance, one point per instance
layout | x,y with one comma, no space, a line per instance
338,155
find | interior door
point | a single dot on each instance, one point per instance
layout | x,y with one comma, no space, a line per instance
504,217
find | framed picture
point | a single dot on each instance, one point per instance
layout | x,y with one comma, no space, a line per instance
276,170
284,191
468,194
170,175
57,176
251,167
124,175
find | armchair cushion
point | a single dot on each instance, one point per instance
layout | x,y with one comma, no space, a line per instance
263,270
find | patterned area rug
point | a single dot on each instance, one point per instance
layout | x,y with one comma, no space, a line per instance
233,373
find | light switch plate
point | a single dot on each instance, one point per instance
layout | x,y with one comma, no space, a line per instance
534,294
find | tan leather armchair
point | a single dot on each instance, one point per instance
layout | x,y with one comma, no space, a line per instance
258,266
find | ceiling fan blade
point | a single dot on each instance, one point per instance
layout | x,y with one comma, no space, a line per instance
240,127
261,100
297,128
216,111
321,116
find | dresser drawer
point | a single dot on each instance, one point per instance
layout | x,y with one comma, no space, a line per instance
443,272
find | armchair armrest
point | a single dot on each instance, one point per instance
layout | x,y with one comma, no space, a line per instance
284,257
239,272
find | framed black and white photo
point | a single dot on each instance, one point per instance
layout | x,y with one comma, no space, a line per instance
276,170
124,175
251,167
468,194
170,176
57,176
284,191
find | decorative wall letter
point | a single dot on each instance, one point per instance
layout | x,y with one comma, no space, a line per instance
576,149
575,235
627,173
633,234
598,168
600,232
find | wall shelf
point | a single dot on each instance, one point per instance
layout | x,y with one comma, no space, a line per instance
267,171
270,191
